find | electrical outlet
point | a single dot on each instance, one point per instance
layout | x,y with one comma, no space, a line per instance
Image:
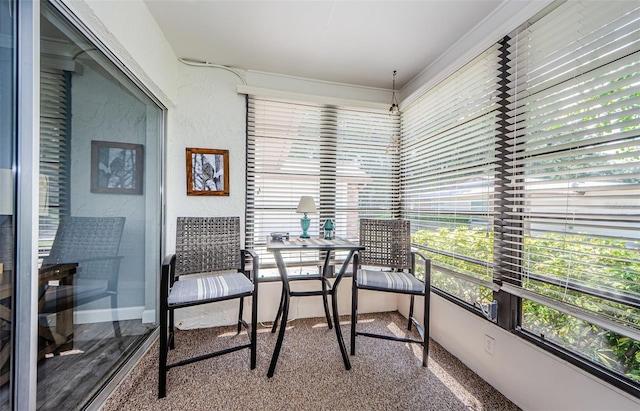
489,344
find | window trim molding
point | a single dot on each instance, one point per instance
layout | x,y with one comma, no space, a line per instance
310,98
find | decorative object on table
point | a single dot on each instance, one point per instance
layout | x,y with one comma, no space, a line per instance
306,205
207,172
116,168
329,229
395,108
279,236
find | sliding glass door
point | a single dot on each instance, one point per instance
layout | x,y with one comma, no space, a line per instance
99,216
7,195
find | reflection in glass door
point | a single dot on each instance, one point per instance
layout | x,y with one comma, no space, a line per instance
7,195
99,214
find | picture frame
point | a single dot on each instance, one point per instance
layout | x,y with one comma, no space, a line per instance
116,168
207,172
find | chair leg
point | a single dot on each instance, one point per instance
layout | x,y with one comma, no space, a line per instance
162,358
326,303
354,315
116,323
425,344
240,314
275,321
172,340
254,326
410,313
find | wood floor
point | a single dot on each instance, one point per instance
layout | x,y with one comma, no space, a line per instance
67,381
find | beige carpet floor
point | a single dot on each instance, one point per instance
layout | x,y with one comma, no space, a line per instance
310,374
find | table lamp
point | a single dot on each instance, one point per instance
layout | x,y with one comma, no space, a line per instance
306,205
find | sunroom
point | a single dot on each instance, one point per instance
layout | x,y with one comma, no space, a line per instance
514,156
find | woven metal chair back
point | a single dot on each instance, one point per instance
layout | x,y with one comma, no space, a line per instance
205,244
90,240
387,243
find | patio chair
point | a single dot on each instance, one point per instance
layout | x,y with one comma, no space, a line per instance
92,244
389,265
208,266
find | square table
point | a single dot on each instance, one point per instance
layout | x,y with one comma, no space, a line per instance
307,244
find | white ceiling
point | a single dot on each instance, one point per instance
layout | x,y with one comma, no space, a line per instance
351,42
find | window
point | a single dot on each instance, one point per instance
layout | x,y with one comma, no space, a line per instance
448,171
345,158
574,181
521,173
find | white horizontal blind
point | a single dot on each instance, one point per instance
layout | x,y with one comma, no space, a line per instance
345,158
54,149
448,170
574,165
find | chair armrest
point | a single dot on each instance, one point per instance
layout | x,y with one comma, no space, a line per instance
427,266
253,274
168,271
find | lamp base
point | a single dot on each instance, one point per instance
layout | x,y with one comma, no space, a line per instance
305,222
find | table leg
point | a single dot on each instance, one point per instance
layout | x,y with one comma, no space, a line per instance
334,301
286,297
275,321
343,350
325,270
283,326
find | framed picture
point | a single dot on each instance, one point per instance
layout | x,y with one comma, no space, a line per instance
116,168
207,172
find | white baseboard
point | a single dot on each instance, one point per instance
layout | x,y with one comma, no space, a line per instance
108,315
149,316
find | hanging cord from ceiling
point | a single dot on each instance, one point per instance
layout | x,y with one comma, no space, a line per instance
199,63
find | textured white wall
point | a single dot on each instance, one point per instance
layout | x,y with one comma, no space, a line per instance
209,114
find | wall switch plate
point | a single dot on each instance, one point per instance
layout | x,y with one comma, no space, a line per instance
489,344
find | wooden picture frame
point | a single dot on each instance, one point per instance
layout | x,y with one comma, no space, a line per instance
116,168
207,172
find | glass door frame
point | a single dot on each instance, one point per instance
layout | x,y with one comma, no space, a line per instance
24,396
27,192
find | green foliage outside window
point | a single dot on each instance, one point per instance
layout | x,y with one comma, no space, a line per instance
600,263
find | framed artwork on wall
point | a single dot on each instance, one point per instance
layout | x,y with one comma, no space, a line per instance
207,172
116,168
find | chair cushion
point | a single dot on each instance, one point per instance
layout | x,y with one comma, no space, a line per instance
209,288
389,280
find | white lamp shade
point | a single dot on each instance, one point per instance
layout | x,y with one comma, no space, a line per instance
6,191
306,205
